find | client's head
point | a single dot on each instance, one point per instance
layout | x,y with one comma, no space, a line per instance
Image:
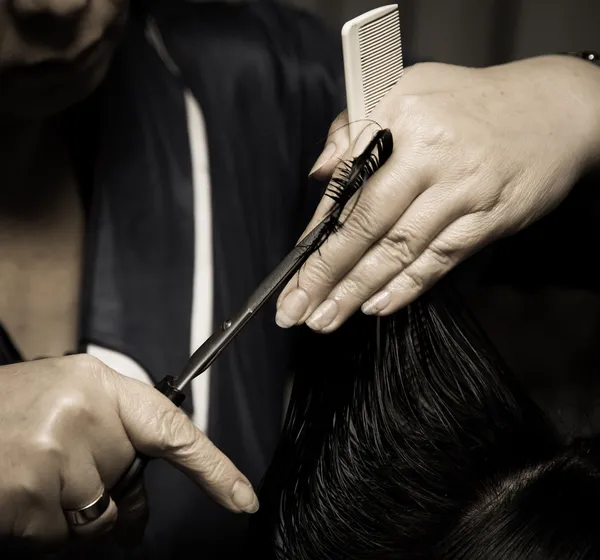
407,438
547,511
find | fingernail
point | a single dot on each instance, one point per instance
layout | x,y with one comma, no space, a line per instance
377,303
292,309
324,315
325,156
244,497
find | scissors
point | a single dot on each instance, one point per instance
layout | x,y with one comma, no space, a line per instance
344,190
203,358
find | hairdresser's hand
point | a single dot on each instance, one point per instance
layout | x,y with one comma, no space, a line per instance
479,154
70,427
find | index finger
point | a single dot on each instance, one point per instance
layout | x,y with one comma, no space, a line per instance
157,428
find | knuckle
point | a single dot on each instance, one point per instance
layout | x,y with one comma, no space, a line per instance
215,469
472,160
466,170
416,282
429,125
86,363
442,256
485,200
408,105
83,362
362,223
354,286
87,374
439,135
318,270
487,190
69,409
177,434
46,445
192,447
84,367
402,244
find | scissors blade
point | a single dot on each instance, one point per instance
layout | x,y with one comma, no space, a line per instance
204,357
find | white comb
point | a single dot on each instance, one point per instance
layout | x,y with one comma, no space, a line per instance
372,61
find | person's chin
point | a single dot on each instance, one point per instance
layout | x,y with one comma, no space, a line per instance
51,103
32,98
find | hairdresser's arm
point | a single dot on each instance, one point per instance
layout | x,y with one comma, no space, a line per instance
479,154
70,427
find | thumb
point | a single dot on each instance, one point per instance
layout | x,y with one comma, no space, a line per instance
338,141
157,428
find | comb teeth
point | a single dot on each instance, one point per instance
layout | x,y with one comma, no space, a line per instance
380,48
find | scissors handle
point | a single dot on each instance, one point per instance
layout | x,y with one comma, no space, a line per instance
136,469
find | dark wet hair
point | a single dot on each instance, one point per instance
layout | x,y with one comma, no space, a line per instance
407,437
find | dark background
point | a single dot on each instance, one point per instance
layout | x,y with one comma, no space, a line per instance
480,32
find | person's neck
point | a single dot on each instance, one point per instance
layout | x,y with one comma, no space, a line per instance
32,158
